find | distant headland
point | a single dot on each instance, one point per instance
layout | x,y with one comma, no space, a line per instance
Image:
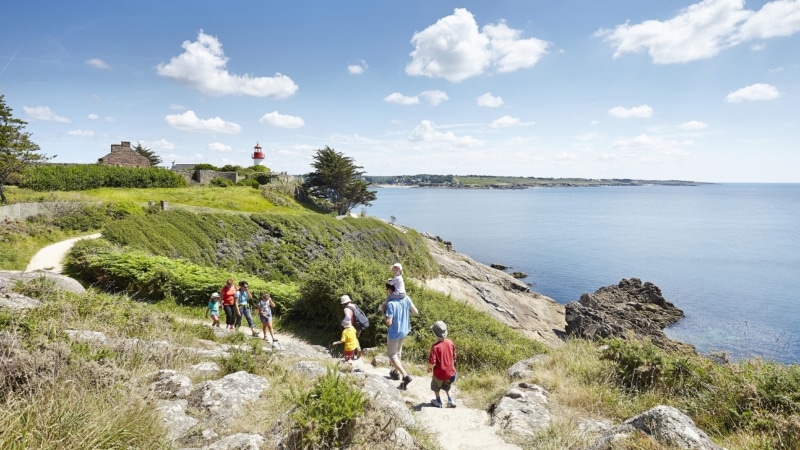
501,182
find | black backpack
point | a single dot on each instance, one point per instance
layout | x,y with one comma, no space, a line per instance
360,320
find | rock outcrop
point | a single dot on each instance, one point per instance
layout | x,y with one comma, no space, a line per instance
501,295
630,308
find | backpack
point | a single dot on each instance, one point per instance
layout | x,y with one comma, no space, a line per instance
360,320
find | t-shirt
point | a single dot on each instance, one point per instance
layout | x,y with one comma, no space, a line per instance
241,297
213,308
265,309
398,287
228,295
400,312
349,338
443,357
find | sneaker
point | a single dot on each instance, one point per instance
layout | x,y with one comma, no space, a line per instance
451,403
394,375
266,338
406,380
255,334
274,340
436,403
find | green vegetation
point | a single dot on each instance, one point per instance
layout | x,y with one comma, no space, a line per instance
337,180
79,177
17,151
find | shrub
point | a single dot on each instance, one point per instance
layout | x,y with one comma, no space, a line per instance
221,182
249,182
77,177
325,416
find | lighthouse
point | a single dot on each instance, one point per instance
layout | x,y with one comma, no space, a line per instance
258,155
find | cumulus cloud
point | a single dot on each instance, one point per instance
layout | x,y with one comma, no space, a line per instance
97,63
357,69
693,125
434,97
702,30
454,48
92,117
202,66
754,92
427,132
219,147
189,121
84,133
401,99
161,144
282,120
507,121
490,101
44,113
641,111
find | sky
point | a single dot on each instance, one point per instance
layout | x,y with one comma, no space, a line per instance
669,90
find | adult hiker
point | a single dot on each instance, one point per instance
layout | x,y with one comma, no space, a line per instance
243,297
228,292
398,319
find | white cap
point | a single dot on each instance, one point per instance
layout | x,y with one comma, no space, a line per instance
215,295
398,265
345,299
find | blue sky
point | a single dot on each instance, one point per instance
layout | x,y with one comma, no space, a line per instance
704,91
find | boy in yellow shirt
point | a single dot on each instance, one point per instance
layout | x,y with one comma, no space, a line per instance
349,339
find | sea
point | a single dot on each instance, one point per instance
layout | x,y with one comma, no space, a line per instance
727,254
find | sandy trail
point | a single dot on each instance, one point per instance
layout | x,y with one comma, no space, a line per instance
49,258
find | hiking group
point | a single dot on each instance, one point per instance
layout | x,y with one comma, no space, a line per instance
396,311
235,303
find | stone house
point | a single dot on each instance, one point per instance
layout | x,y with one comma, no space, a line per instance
122,155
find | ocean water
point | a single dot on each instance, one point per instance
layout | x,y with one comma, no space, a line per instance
727,254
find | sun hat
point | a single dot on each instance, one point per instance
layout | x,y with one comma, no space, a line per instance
346,322
439,329
345,299
398,265
215,295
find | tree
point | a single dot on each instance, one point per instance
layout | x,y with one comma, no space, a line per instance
337,179
155,160
17,151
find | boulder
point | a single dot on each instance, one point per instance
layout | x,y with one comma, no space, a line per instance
176,421
666,425
62,282
523,369
630,308
382,392
224,399
168,384
308,369
523,410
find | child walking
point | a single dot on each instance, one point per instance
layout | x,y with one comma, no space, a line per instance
349,339
213,309
441,362
265,315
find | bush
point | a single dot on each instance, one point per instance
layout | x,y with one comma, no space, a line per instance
221,182
248,182
325,416
78,177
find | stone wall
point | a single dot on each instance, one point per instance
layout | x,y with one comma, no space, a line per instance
205,176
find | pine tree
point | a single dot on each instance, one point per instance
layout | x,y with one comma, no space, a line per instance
17,151
338,180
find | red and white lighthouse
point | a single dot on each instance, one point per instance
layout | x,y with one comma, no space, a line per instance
258,155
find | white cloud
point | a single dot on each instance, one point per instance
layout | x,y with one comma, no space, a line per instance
648,148
693,125
455,49
506,121
85,133
282,120
97,63
219,147
357,69
641,111
434,97
44,113
401,99
176,107
565,156
703,29
490,101
426,132
110,119
758,47
754,92
161,144
594,122
92,117
189,121
202,66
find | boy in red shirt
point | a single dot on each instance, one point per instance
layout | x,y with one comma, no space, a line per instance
441,362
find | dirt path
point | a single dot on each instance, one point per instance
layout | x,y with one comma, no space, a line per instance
459,428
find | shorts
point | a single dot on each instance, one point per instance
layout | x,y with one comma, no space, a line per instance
394,348
215,317
265,319
348,355
437,384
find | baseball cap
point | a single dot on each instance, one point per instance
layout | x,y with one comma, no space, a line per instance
215,295
439,328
